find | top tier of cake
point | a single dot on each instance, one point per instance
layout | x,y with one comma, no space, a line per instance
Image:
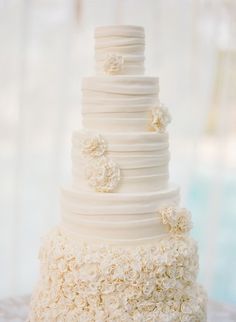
119,50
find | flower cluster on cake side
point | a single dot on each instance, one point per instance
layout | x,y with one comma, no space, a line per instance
178,219
113,63
102,173
160,118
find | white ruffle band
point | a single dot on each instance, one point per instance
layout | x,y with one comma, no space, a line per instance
83,282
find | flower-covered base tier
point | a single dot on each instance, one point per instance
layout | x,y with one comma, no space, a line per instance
91,281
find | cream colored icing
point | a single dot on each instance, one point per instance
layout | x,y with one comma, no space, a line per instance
142,158
119,30
116,124
126,41
116,216
119,103
104,86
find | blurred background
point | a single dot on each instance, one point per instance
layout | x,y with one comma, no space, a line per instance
46,46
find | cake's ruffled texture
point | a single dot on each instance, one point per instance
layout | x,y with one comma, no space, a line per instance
88,282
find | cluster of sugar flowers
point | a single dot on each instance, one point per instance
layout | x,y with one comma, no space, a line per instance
92,145
178,219
102,173
160,118
97,282
113,63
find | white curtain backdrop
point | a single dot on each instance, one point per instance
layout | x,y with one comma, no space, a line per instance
46,46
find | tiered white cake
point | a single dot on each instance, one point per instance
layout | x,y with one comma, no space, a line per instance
122,251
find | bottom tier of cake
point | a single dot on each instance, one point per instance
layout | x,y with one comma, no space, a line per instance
92,281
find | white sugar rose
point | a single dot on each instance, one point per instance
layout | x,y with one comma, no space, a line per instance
103,174
107,287
178,219
88,272
113,63
148,287
92,145
160,118
111,302
186,307
73,316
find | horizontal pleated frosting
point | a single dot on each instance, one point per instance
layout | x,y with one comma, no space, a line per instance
128,41
142,158
118,215
119,103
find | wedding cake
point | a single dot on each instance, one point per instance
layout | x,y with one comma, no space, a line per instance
122,251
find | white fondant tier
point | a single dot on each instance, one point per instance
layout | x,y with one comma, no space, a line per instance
116,216
127,41
119,103
141,157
